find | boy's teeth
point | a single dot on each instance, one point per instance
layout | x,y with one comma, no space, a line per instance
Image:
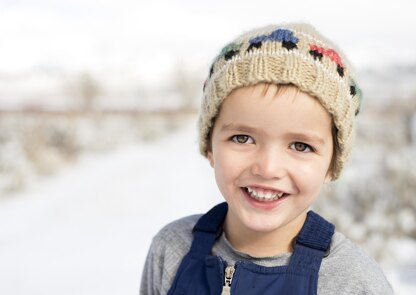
259,195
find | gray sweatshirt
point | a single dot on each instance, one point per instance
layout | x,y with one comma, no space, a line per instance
346,270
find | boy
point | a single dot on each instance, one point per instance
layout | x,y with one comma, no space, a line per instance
276,124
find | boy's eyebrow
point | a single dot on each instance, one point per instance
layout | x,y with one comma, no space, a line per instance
240,127
307,136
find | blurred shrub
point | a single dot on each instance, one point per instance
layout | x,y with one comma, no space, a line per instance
40,143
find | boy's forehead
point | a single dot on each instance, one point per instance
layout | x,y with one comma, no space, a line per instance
273,91
258,112
268,89
267,92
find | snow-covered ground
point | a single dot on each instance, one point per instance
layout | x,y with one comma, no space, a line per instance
87,229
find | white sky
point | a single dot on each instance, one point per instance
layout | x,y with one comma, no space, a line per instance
98,34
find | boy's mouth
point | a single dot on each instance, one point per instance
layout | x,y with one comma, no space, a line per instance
264,195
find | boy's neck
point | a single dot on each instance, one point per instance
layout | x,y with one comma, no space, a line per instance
262,244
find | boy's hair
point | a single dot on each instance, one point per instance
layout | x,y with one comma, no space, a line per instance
286,54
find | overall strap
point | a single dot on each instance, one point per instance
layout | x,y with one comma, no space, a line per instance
313,242
193,266
207,230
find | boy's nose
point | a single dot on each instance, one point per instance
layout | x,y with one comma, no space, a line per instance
269,164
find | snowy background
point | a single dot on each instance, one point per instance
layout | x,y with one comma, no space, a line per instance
98,143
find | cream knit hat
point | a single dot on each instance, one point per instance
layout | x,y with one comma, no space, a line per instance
283,54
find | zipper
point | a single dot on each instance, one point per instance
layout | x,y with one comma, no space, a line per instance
228,278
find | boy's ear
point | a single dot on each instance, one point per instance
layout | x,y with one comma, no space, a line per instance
210,158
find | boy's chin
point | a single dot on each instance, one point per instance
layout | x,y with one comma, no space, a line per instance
263,225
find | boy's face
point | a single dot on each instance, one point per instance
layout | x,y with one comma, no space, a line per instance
271,144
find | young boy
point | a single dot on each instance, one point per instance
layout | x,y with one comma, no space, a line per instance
276,124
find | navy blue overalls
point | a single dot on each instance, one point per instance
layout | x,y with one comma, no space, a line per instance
201,273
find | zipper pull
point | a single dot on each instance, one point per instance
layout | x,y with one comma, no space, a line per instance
228,278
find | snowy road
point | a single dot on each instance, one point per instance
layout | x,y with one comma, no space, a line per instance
87,230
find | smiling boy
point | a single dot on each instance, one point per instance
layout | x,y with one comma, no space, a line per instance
271,153
276,124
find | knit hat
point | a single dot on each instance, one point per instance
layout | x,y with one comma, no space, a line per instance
285,54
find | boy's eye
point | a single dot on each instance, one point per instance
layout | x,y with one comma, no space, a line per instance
242,139
301,147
